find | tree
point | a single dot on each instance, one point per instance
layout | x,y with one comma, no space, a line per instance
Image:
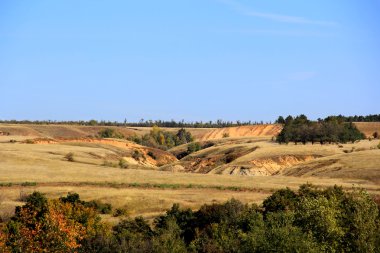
280,120
281,200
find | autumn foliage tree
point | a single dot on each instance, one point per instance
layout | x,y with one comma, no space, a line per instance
43,225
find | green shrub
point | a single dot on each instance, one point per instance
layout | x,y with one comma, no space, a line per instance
193,147
29,184
74,199
110,133
103,208
6,184
157,138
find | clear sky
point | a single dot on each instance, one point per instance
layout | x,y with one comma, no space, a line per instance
188,59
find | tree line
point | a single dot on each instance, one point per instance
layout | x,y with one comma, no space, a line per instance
179,124
368,118
329,130
142,123
307,220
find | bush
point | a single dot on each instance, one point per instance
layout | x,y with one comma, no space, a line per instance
123,164
70,157
375,135
30,141
120,212
157,138
136,155
226,135
6,184
103,208
193,147
110,133
29,184
74,199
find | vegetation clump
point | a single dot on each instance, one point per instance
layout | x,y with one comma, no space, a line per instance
123,164
120,212
307,220
110,133
330,130
226,135
157,138
194,147
70,157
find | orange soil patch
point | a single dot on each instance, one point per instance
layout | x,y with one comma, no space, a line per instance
244,131
273,165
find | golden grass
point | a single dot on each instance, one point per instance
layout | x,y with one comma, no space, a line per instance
368,128
77,131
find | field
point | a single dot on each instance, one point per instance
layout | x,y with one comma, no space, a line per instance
245,167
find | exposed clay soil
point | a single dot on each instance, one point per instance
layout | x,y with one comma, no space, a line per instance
243,131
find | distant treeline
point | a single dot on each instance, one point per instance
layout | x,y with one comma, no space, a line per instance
330,130
368,118
341,118
147,123
184,124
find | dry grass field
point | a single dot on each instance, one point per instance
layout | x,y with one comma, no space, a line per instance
245,168
77,131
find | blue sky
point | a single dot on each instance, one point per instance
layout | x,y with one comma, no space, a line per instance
189,59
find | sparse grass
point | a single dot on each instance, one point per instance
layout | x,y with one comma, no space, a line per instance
110,164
